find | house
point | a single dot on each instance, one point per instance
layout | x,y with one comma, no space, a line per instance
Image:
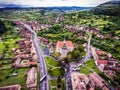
105,62
44,41
100,52
97,81
63,47
32,63
20,42
14,50
79,81
51,47
101,64
17,62
31,78
11,87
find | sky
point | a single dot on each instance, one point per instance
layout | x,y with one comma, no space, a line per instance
50,3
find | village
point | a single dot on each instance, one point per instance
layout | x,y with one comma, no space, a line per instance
55,55
26,56
103,61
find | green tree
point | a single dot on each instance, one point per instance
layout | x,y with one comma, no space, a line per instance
75,54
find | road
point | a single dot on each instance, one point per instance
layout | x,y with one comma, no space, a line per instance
68,68
88,55
68,80
43,70
86,58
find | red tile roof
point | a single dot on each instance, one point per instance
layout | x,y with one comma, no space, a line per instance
68,43
32,63
99,52
102,62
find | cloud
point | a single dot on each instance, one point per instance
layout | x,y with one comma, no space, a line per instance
45,3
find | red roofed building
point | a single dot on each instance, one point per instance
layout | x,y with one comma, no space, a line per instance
100,52
32,63
63,47
105,62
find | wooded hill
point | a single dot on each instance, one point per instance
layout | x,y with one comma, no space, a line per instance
111,8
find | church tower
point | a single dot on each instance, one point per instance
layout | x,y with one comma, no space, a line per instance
64,49
64,46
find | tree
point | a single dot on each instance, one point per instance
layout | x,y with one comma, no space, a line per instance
67,60
62,70
80,48
50,71
59,79
75,54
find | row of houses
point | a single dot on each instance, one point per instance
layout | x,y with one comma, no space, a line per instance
26,56
11,87
105,62
74,29
35,25
56,19
90,82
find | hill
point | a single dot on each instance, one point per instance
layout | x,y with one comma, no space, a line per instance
63,8
111,8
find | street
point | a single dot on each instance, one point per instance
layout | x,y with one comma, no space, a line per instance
43,70
81,62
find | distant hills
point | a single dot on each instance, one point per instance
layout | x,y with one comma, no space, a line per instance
109,8
66,8
63,8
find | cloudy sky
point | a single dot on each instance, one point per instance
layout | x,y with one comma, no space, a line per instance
45,3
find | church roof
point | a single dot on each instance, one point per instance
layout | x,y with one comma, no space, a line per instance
68,43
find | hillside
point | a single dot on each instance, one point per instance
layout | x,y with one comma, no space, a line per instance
62,8
111,8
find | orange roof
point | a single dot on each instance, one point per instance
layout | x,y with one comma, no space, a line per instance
100,52
102,62
32,63
68,43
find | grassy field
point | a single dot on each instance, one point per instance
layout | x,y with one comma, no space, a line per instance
7,45
84,70
8,42
5,66
54,83
56,72
88,67
51,61
6,79
1,47
52,66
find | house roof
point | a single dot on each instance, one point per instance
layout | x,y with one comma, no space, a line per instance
95,78
100,52
11,87
102,62
68,43
32,63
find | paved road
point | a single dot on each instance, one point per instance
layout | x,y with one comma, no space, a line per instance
86,58
88,55
68,86
43,71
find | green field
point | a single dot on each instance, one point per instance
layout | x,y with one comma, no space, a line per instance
7,45
1,47
53,84
6,79
52,67
88,67
8,42
51,61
